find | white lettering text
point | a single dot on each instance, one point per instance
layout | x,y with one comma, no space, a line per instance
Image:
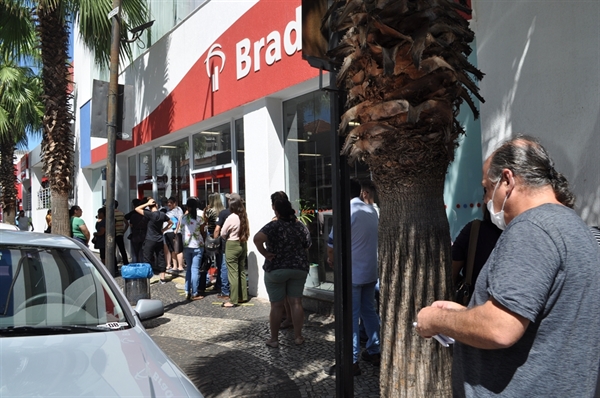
243,60
292,43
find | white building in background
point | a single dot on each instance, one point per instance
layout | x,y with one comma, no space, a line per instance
224,102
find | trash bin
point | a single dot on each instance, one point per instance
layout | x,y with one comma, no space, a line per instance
136,280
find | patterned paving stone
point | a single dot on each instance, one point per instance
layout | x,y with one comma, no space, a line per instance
222,350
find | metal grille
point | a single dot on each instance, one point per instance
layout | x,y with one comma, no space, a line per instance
44,199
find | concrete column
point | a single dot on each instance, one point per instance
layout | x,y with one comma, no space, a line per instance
265,174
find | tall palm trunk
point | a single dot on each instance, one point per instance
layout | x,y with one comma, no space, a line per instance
58,141
403,64
8,181
414,258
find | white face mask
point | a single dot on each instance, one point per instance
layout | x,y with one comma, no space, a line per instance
497,218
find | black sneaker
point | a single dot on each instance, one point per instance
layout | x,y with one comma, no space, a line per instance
355,370
373,359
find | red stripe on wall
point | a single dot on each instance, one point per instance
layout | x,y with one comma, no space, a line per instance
193,101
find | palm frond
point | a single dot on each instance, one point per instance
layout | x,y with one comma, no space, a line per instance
95,29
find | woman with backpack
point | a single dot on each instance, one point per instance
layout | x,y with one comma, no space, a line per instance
191,227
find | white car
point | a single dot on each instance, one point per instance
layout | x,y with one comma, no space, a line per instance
67,330
9,227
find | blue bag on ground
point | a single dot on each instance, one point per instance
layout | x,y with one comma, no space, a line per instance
136,271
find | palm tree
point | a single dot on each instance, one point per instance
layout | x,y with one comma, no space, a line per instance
51,21
21,110
403,65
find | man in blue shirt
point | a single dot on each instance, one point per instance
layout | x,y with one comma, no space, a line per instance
364,224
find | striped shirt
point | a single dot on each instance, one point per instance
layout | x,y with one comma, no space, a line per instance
119,222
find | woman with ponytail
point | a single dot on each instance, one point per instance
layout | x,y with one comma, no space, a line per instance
236,231
191,227
286,266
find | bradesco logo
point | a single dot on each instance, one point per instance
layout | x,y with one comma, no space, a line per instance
213,67
248,55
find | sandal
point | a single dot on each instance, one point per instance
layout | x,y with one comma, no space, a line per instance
229,305
197,297
272,344
299,340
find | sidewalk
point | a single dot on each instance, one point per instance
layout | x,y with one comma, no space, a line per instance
223,352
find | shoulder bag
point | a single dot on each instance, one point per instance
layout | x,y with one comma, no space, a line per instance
464,289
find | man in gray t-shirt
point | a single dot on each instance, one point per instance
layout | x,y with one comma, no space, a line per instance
532,327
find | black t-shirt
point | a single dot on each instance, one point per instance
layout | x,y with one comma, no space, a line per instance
222,217
488,236
139,226
155,225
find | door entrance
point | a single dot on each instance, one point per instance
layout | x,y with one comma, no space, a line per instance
212,181
145,189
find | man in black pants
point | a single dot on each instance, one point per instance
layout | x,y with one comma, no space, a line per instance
153,244
121,226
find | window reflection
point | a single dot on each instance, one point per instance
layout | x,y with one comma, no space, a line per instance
212,147
308,139
240,156
172,170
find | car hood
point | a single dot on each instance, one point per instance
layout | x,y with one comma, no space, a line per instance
124,363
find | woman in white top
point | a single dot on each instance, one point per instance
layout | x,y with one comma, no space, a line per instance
191,226
236,231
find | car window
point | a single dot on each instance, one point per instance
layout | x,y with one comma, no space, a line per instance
54,287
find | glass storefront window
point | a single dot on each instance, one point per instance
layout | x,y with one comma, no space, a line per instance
240,158
172,170
212,147
307,137
146,165
132,185
146,173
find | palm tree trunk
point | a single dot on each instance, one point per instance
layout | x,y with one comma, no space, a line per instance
8,181
58,141
415,260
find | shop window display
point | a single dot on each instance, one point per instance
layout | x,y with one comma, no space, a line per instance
307,136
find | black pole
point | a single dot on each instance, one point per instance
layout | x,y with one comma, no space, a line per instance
111,135
342,253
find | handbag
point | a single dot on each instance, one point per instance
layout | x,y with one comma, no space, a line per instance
207,261
464,289
212,245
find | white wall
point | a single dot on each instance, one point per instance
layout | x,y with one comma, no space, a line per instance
155,74
263,148
542,66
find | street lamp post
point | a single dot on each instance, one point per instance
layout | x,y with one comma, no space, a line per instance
111,129
111,135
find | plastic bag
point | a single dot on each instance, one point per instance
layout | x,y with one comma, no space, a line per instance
136,271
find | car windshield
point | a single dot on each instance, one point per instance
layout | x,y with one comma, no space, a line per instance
52,289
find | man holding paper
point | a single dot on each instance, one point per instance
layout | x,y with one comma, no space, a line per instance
532,327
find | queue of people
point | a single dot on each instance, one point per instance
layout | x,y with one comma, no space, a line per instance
173,241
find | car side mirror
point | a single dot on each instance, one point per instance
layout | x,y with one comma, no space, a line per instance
148,309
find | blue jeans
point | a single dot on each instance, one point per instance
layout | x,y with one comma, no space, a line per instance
363,307
193,258
224,278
